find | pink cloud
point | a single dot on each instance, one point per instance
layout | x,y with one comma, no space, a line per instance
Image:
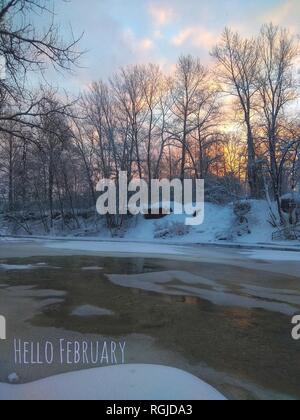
161,15
197,36
145,44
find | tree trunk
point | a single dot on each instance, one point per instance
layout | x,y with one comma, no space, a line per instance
50,191
10,187
184,140
275,174
251,169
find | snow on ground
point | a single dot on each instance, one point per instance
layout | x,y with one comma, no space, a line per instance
261,229
220,226
124,382
217,219
219,222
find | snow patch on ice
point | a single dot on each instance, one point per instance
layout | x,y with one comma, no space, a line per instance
90,310
272,255
23,267
179,283
10,267
117,247
92,268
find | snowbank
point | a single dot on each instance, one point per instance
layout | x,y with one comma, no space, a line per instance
295,196
120,247
219,222
217,218
273,255
125,382
220,226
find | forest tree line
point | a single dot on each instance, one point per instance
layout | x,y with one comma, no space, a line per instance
233,123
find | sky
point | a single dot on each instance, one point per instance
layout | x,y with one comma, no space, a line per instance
122,32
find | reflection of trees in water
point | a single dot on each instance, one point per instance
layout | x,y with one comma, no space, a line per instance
125,265
140,265
189,300
171,299
241,317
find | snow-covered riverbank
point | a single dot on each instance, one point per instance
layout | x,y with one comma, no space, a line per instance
220,227
275,250
124,382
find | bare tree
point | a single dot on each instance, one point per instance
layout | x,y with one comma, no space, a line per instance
24,48
207,121
52,139
277,88
238,61
153,86
189,77
128,87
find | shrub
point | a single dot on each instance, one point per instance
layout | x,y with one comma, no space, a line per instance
171,230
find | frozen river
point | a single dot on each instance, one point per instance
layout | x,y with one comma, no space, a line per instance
223,315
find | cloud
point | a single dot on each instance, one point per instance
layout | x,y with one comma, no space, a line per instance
146,44
161,15
158,34
197,36
283,11
120,33
135,44
285,14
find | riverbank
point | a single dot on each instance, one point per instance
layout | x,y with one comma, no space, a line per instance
220,227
